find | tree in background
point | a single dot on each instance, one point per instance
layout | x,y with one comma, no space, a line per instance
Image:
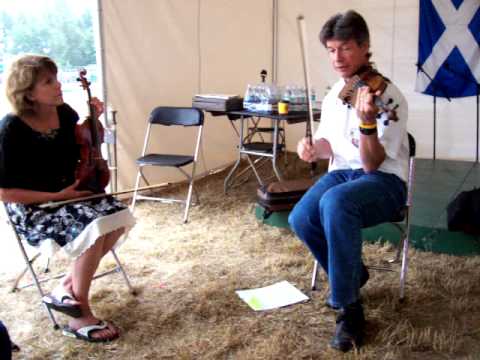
55,31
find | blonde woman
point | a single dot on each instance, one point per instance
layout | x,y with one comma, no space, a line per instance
38,159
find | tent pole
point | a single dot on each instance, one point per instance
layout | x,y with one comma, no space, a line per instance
274,41
100,57
100,53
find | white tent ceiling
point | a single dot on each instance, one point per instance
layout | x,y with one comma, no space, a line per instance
162,52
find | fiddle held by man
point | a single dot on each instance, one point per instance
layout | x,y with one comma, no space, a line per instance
366,181
45,171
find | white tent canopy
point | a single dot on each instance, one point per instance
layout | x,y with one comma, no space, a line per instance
162,52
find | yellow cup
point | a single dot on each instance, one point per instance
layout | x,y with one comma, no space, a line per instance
283,107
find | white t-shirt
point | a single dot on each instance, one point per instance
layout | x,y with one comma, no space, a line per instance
339,125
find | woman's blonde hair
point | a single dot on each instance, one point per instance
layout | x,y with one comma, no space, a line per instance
21,79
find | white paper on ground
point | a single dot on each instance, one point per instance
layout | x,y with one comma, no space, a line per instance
273,296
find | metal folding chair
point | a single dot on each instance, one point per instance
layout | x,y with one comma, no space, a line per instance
170,116
401,222
37,280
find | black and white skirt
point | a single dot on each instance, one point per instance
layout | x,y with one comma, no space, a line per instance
73,227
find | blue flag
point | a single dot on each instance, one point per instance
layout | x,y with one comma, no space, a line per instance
449,48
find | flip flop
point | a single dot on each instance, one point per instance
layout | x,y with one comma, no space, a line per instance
85,332
56,301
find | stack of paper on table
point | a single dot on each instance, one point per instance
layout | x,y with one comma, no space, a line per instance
215,96
217,102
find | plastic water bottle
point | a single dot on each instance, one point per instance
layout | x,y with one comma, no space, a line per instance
248,98
294,99
264,98
287,94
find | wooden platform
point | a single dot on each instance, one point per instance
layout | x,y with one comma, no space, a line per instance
436,184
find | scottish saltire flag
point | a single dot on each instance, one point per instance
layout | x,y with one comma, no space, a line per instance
449,48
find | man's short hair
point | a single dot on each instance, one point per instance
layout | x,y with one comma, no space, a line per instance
347,26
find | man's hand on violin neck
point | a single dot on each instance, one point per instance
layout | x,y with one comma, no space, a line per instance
365,105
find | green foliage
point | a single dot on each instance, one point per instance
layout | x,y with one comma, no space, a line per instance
55,31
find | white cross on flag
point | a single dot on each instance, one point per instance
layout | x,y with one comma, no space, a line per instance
449,48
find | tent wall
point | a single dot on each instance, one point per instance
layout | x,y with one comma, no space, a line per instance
161,52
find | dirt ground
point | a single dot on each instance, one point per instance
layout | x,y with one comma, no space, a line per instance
187,308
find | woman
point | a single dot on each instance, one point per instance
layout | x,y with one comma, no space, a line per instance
38,159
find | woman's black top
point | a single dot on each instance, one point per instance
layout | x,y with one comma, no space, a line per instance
37,161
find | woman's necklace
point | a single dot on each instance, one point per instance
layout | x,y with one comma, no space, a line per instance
46,126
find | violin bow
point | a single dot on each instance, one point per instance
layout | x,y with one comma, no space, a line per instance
98,196
302,32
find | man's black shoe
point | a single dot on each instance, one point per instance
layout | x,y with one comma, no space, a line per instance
363,280
350,328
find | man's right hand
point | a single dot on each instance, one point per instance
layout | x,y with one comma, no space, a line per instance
71,192
306,151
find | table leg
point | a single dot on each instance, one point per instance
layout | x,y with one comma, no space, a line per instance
252,165
234,128
226,183
275,145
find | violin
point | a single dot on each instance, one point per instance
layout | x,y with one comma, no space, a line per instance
92,170
367,76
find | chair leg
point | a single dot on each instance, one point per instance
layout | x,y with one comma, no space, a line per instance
36,281
314,275
134,198
188,201
47,266
124,274
195,192
403,271
144,178
402,231
19,277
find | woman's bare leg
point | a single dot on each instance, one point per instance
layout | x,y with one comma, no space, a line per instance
79,280
109,241
83,269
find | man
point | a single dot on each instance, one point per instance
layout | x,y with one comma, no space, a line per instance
366,182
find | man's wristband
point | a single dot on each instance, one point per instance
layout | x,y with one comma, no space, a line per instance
368,126
364,131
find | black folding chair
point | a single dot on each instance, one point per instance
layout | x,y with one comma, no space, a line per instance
170,116
401,221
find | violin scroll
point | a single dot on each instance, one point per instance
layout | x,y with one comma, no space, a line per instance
83,80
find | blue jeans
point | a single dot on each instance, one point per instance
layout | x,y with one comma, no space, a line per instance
330,216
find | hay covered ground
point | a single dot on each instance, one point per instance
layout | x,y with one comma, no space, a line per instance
186,307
